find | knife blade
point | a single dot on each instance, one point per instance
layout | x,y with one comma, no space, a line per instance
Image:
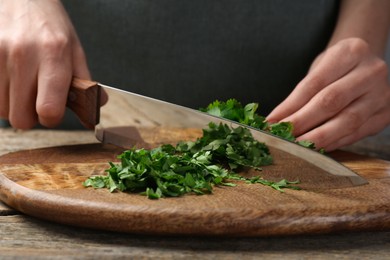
141,112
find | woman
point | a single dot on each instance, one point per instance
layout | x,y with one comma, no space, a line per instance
192,52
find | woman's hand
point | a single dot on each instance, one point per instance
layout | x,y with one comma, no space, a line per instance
39,54
344,97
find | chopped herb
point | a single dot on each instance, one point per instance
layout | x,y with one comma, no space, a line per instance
195,167
233,110
190,167
280,185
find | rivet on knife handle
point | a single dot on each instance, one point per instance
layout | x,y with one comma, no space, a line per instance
84,101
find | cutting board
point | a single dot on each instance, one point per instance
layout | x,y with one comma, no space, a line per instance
47,183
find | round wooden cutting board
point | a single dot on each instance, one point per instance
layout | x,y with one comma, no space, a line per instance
47,183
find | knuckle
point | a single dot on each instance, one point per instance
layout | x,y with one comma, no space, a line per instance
54,42
331,101
17,50
350,49
357,46
353,120
314,83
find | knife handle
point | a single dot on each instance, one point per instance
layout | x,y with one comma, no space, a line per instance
84,101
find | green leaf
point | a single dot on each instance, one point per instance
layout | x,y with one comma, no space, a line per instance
233,110
153,194
189,180
283,129
197,166
95,182
280,185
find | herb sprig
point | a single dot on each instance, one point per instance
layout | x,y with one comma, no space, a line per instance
235,111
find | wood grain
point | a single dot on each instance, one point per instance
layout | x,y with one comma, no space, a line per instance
84,100
26,237
46,183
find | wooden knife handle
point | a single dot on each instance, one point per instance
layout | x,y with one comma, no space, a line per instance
84,101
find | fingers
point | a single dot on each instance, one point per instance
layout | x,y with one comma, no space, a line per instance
54,76
349,125
39,53
371,127
332,99
341,99
22,87
39,82
326,70
60,62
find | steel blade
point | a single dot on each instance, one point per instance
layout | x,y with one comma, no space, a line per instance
126,112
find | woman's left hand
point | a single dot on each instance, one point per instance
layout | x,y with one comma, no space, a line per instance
344,97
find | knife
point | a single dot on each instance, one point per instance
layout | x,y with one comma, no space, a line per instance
141,112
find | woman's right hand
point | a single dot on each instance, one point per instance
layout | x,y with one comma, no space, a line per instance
39,54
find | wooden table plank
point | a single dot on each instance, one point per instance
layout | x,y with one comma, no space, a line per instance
26,236
15,140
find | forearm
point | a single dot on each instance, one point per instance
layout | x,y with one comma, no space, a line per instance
368,20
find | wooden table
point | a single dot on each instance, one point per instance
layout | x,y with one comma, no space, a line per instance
23,236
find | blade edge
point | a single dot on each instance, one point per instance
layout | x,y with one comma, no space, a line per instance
180,116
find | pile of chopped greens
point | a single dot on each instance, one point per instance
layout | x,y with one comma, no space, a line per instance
190,167
233,110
